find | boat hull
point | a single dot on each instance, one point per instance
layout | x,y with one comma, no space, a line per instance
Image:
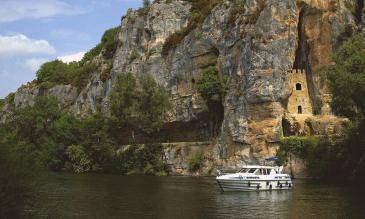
254,185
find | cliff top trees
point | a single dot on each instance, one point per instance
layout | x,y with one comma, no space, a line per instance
78,73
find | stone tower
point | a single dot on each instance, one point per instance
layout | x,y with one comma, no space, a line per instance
299,101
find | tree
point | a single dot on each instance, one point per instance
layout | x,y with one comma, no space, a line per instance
347,84
152,105
347,78
137,109
123,102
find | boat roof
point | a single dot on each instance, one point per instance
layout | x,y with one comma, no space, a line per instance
258,166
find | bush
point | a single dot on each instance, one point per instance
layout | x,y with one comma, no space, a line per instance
79,160
146,159
138,109
2,103
108,42
58,72
209,85
195,162
77,73
320,154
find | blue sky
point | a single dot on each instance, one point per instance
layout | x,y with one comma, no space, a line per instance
35,31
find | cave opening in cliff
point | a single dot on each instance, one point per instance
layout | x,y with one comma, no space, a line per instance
303,47
302,60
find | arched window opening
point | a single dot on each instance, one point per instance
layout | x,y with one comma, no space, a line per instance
300,111
193,80
298,86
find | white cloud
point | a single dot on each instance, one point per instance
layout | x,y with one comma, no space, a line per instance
72,58
12,10
22,45
34,64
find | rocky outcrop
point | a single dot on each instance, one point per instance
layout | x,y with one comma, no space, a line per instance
309,125
253,43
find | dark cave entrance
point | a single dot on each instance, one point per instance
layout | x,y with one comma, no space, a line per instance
302,61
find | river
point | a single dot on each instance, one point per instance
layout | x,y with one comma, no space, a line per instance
111,196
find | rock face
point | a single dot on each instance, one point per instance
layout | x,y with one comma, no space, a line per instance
254,48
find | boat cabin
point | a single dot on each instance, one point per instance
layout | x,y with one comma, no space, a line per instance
259,170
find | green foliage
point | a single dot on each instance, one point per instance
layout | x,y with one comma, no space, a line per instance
108,42
152,105
347,79
347,84
92,53
18,177
123,100
146,159
58,72
320,153
80,162
195,162
210,86
78,73
2,103
138,109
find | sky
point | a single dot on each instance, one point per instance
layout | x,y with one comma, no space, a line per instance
35,31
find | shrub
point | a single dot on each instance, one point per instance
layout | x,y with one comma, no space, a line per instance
195,162
80,162
92,53
138,109
2,103
210,86
146,159
320,154
108,43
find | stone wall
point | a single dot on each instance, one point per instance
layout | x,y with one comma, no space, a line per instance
299,101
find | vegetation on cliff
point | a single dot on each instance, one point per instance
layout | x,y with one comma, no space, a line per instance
43,136
196,161
344,157
2,103
212,88
137,109
78,73
63,142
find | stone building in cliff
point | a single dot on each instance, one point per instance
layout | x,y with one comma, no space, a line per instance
299,100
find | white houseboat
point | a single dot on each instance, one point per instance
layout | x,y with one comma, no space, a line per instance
253,178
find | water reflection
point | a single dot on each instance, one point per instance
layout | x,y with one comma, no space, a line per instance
263,204
105,196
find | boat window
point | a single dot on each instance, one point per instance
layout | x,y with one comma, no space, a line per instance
252,170
243,170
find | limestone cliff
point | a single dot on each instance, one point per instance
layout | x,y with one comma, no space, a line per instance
254,43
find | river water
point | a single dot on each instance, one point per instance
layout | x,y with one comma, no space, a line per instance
110,196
